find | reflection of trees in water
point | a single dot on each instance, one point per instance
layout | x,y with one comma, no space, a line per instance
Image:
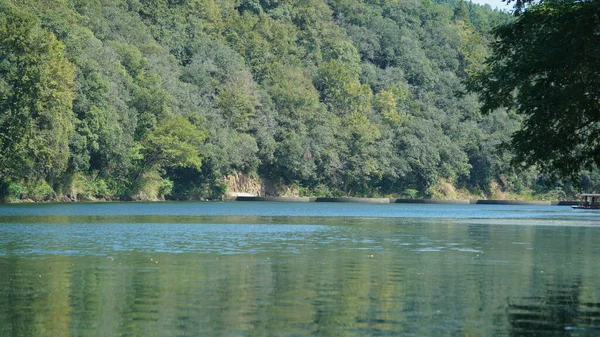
479,233
558,311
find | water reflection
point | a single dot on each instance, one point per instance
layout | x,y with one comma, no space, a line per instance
557,311
285,276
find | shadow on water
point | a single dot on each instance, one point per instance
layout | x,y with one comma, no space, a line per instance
558,311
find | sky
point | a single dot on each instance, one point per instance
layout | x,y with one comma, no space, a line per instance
494,3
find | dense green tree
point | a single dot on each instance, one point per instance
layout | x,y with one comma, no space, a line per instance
162,98
545,66
175,143
36,95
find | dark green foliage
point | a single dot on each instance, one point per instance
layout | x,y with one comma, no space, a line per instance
156,98
36,95
545,67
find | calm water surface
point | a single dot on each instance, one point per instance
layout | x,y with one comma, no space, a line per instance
298,269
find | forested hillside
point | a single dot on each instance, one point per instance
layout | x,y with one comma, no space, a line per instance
147,99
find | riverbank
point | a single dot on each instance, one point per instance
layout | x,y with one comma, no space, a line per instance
405,201
328,199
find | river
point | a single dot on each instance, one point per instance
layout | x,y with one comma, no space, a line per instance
298,269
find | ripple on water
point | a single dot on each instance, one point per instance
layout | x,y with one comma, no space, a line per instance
88,239
468,250
429,249
297,276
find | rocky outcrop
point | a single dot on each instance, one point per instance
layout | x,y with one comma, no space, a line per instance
242,185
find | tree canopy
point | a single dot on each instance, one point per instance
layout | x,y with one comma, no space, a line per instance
545,66
166,99
36,96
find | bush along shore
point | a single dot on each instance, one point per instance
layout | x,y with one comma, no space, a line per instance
241,188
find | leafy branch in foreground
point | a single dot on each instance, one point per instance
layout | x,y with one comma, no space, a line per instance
546,67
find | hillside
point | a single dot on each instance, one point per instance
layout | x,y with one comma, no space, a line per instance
147,99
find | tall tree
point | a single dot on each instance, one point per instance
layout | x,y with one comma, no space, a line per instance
36,97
